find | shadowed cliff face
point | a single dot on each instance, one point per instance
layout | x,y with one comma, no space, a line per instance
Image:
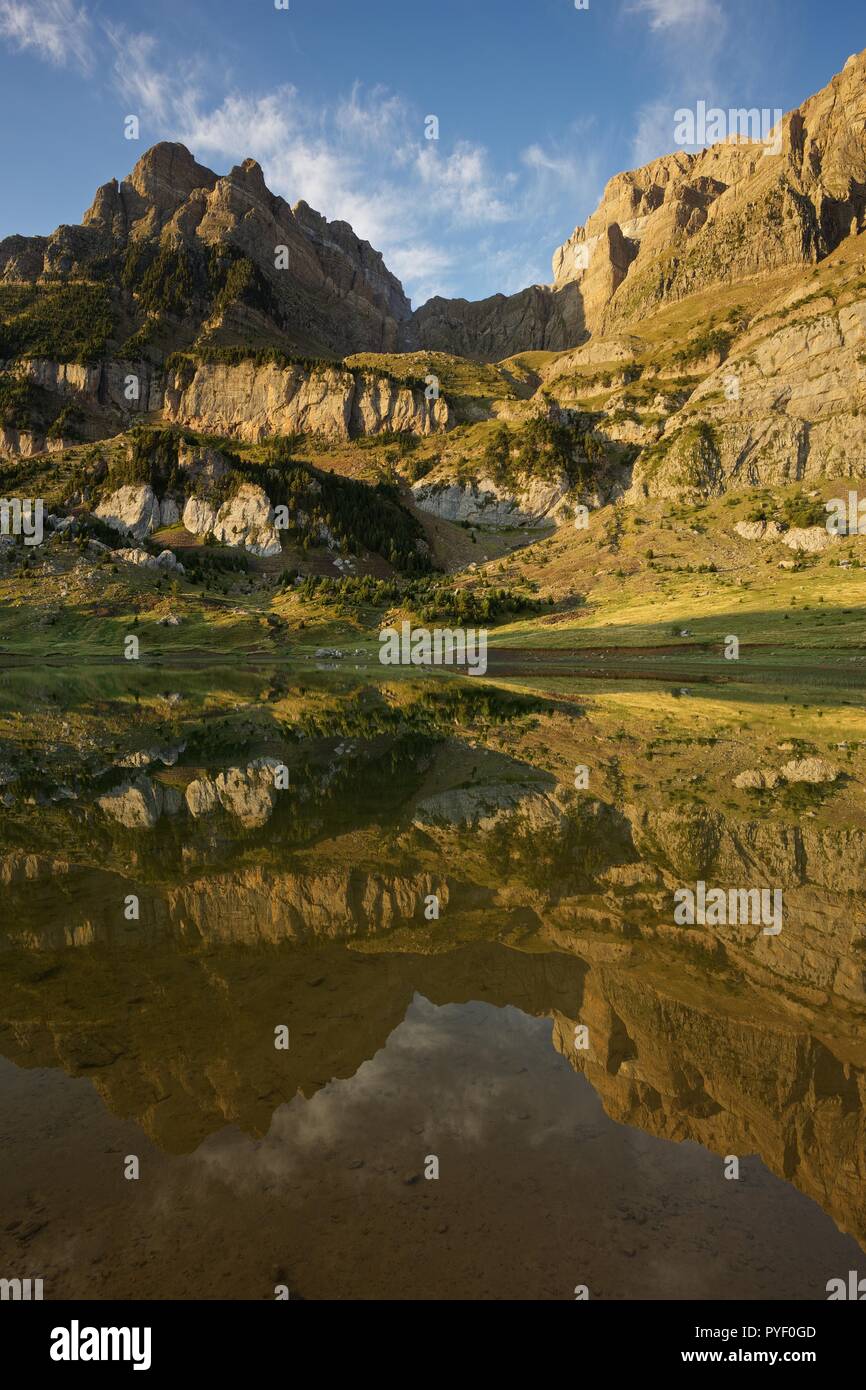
418,847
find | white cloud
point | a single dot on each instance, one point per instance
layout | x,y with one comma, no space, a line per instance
571,168
699,60
240,126
460,185
57,31
655,132
673,14
426,268
155,93
376,119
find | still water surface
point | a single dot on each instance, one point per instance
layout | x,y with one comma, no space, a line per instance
172,901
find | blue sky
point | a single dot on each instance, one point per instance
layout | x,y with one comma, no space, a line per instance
538,104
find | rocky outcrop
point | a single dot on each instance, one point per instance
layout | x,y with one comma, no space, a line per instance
125,388
200,516
137,805
796,413
490,330
734,210
166,560
811,539
487,503
247,793
251,401
814,770
245,520
248,520
143,757
27,444
482,809
133,510
759,530
757,779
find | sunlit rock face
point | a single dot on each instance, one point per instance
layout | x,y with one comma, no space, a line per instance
135,805
482,808
248,521
252,401
132,509
487,503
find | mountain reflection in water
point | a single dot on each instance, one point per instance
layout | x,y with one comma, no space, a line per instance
150,1031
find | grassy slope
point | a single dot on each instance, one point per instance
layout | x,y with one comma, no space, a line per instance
607,594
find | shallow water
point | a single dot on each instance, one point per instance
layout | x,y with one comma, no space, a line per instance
408,881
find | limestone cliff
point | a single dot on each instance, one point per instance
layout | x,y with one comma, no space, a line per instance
251,401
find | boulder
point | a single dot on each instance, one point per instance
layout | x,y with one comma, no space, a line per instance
199,517
201,797
169,512
757,780
814,770
810,539
167,560
248,793
758,530
139,557
132,509
247,520
136,805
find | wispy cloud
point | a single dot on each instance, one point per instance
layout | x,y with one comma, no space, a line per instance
695,61
427,268
655,132
57,31
679,14
461,185
571,167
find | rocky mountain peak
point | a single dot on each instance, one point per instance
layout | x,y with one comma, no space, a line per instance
729,211
162,181
167,174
